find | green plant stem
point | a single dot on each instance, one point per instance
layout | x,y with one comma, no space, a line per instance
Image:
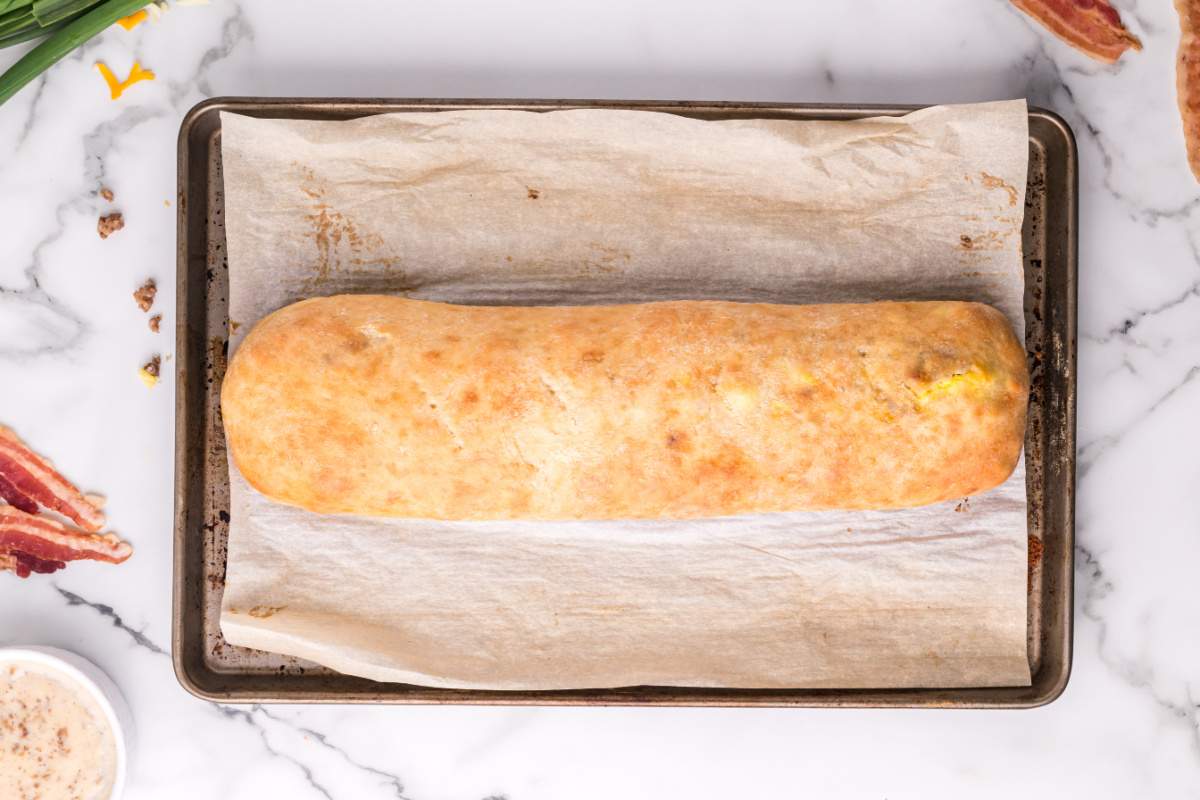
63,41
18,18
24,35
48,12
8,5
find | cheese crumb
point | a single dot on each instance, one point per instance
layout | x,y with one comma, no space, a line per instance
133,20
117,87
150,372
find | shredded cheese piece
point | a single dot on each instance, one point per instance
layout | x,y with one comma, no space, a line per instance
133,20
115,87
147,378
974,377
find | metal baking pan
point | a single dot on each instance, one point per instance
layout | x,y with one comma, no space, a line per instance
210,668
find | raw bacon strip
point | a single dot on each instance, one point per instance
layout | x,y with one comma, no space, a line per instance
27,565
32,479
1092,26
1187,78
40,544
16,497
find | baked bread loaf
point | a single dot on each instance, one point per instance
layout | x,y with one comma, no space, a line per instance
387,406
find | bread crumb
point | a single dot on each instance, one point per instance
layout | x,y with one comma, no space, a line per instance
144,295
110,224
106,193
149,373
166,203
155,321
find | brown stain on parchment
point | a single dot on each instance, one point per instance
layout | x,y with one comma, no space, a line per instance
606,259
263,612
984,240
599,259
992,182
360,257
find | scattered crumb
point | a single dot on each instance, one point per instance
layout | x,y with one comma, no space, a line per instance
966,242
233,326
533,194
155,321
167,203
144,296
110,224
149,373
965,505
106,193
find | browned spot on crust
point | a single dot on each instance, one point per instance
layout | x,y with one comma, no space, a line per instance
470,396
357,342
678,440
432,355
729,463
591,356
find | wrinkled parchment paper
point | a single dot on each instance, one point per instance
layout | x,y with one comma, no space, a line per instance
589,206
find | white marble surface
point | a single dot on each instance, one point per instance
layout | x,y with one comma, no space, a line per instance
71,340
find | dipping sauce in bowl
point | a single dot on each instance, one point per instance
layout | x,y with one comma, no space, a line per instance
58,733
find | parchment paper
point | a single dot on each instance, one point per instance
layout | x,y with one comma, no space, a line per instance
590,206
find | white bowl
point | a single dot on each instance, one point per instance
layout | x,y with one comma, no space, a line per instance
97,685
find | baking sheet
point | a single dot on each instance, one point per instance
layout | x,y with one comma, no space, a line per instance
945,605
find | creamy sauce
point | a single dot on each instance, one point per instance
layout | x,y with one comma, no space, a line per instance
55,742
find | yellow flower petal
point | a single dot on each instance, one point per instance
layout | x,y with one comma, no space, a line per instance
133,20
115,87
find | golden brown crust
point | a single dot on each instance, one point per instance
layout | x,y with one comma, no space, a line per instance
388,406
1187,79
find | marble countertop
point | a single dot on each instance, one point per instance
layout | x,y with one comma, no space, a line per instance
71,341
